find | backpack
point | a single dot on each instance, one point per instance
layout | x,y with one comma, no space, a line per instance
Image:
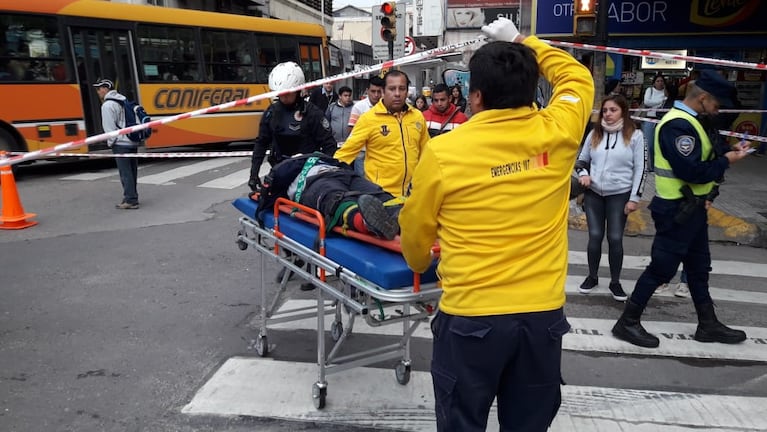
135,114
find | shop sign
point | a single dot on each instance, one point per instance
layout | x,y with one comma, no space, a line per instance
660,17
656,63
632,78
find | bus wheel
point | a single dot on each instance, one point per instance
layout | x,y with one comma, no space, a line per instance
7,143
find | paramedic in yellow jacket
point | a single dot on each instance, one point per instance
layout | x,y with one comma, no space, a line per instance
495,194
394,134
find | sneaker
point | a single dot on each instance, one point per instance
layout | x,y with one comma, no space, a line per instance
663,289
376,218
617,290
682,290
126,206
588,285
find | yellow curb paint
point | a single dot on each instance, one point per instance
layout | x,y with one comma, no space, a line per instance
732,226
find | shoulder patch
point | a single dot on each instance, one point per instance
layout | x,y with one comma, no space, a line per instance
685,144
325,123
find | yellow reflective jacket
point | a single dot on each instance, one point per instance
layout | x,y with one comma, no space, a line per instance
495,193
393,142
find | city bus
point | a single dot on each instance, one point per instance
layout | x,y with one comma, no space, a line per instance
169,60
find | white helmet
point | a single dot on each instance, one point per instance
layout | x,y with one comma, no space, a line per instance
286,75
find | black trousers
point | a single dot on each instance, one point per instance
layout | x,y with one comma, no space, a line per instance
326,191
673,244
513,358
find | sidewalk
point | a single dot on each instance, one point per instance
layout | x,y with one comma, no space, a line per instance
739,214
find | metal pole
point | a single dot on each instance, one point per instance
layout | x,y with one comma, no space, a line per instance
391,49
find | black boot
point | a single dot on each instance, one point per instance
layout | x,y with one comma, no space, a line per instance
711,330
629,329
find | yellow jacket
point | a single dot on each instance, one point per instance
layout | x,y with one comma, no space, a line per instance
394,143
495,194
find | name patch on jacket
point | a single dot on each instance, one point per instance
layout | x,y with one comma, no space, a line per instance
685,144
537,162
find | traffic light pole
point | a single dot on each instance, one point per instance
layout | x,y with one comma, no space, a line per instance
391,49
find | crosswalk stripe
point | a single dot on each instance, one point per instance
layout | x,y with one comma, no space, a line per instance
631,262
230,181
188,170
590,334
718,294
371,397
90,176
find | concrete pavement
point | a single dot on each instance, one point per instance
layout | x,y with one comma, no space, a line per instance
739,214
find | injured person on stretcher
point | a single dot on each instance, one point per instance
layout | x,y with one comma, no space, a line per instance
344,198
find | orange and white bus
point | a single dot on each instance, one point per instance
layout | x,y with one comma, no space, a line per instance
170,60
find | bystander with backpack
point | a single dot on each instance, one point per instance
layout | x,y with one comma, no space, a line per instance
113,117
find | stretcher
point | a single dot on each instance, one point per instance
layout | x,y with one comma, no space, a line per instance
368,280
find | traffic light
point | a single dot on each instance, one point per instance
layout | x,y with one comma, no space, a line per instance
389,21
584,18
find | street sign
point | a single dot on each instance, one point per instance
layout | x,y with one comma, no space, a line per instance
380,46
409,45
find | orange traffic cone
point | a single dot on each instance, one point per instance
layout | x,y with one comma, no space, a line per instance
12,215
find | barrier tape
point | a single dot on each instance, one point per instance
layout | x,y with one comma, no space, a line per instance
742,111
646,53
151,155
37,154
721,132
268,95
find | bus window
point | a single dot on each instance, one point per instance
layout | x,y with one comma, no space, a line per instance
288,49
30,49
168,53
228,55
266,57
310,61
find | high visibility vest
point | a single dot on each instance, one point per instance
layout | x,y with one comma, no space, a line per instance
667,186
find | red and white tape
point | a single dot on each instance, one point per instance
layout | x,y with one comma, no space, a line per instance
385,65
744,136
268,95
152,155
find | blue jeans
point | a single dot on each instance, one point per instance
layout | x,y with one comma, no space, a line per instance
601,211
513,358
359,164
648,129
128,168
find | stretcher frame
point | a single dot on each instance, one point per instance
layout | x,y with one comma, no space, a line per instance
343,290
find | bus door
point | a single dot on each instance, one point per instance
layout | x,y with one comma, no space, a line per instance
103,53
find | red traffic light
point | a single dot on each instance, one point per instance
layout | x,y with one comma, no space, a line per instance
388,8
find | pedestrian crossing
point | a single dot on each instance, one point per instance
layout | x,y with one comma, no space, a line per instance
228,173
371,397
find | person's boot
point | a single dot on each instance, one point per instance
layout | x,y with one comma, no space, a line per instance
629,329
376,218
711,330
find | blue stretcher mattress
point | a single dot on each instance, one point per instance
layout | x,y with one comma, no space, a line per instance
384,268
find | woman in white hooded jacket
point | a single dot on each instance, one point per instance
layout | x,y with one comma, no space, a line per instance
612,165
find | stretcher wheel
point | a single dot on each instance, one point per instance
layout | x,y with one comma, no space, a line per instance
336,330
402,371
240,243
262,346
318,395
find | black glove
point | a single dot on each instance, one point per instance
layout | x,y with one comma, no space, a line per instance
254,184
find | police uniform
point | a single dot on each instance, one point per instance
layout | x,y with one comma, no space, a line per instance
686,170
287,131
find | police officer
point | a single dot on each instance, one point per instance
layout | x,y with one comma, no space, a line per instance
686,168
290,125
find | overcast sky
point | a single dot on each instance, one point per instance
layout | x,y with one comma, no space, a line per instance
362,4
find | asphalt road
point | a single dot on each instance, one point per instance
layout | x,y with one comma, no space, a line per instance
112,320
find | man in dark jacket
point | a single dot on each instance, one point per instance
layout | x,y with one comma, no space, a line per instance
289,126
323,96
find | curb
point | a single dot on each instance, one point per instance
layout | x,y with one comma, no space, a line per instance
723,227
